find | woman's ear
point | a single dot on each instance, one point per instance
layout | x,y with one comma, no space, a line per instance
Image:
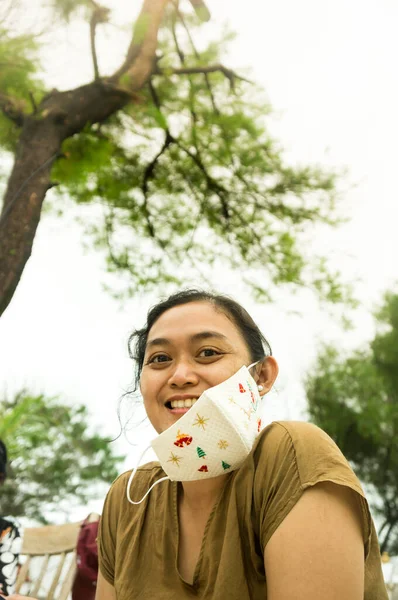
267,374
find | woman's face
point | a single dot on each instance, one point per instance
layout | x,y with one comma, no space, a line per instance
190,348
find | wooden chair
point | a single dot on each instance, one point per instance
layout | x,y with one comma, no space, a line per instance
49,569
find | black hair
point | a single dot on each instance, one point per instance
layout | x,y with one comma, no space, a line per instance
3,461
256,343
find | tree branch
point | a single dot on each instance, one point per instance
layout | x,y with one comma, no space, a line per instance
144,43
180,52
150,168
62,114
212,184
201,9
100,15
229,74
13,109
195,51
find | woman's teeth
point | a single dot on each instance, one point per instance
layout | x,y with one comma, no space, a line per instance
187,403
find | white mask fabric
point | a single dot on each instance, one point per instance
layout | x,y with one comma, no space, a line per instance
214,436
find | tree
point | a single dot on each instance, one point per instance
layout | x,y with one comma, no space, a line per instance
56,462
172,146
355,400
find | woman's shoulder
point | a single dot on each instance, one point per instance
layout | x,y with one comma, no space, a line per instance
303,436
297,431
308,449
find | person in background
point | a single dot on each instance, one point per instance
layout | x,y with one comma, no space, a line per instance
10,539
10,543
17,597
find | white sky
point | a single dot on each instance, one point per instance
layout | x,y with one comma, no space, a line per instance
329,69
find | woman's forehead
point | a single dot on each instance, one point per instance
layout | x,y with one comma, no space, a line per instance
193,318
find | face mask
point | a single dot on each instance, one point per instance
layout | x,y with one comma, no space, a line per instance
214,436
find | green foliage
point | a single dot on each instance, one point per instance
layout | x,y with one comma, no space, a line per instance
57,462
19,65
19,78
83,156
187,176
355,400
219,192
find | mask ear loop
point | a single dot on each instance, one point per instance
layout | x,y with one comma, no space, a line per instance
252,365
132,476
260,387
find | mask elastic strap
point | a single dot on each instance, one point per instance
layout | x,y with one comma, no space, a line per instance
252,365
132,476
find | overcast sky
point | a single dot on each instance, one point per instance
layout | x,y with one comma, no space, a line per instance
329,70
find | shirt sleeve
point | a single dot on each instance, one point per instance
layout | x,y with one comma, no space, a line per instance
292,457
107,532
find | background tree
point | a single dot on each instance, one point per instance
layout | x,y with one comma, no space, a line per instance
56,462
174,149
355,400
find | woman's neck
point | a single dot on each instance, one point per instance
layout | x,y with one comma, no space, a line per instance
202,495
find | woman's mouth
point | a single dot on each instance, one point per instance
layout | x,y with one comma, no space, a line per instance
180,406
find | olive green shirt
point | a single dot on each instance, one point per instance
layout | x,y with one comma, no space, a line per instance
138,544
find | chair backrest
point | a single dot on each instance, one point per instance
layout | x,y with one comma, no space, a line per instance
49,568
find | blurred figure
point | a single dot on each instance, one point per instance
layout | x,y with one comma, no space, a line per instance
17,597
10,539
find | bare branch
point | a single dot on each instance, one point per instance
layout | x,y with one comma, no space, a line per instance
100,15
196,53
13,109
148,174
180,53
93,49
150,168
229,74
212,184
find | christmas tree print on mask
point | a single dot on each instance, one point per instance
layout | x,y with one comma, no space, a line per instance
201,453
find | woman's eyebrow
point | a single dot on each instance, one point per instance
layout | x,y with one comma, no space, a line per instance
202,335
158,342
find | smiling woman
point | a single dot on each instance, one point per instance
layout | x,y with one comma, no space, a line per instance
230,510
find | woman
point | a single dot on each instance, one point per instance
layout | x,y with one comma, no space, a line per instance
291,521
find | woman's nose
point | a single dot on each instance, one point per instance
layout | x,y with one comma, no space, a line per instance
183,375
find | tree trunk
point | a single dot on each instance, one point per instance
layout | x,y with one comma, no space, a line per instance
59,116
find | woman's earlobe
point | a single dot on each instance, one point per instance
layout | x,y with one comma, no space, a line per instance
268,375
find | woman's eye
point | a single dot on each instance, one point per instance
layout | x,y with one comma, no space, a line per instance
159,358
208,352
